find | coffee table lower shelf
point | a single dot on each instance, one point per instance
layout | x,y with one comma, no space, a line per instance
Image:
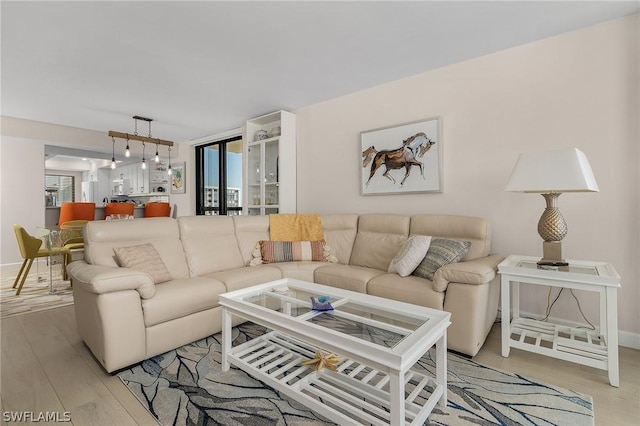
353,394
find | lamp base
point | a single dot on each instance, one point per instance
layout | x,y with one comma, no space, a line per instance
552,254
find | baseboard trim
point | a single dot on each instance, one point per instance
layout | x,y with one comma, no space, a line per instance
625,338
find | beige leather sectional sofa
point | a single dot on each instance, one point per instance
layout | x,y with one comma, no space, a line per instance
125,318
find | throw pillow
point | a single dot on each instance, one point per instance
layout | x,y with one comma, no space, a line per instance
292,251
145,258
441,252
410,255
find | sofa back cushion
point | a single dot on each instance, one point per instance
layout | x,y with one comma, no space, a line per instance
379,239
462,228
250,230
209,243
101,237
340,233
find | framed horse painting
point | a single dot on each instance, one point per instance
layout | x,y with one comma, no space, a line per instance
402,159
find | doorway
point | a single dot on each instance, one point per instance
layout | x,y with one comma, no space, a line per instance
219,177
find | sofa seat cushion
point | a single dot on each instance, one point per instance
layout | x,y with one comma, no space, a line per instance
348,277
411,289
299,270
238,278
179,298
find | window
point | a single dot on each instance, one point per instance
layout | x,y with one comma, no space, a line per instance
59,189
219,171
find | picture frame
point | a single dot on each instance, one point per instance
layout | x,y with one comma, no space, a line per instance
402,159
178,178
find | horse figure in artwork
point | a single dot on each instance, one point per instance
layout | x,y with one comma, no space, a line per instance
405,156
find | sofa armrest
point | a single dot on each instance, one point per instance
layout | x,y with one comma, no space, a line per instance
105,279
476,271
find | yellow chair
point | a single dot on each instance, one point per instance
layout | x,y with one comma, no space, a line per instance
71,235
30,250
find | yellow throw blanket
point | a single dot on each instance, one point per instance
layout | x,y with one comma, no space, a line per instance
295,227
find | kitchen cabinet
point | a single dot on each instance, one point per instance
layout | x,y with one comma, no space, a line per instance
142,182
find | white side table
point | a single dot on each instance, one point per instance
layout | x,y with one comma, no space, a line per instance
595,348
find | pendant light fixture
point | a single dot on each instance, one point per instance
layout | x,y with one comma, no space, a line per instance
113,153
144,164
143,139
169,171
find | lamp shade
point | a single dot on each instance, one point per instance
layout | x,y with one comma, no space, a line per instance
564,170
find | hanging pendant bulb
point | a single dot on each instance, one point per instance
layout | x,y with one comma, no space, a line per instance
113,153
144,163
157,156
127,151
169,171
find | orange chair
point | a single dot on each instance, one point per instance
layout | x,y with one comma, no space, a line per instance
118,208
76,211
157,210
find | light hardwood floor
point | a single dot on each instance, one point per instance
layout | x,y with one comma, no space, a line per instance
46,367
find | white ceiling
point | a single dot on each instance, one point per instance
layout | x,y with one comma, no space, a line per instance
204,67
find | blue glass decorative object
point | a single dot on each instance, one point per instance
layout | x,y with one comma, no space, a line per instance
321,303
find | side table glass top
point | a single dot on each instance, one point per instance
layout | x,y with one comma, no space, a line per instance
577,269
585,271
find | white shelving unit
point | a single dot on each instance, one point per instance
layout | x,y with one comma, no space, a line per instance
270,164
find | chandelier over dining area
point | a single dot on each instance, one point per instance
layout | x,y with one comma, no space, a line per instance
144,139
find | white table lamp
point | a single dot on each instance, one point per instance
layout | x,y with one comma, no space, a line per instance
551,173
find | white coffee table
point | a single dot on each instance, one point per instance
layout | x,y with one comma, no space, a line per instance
378,341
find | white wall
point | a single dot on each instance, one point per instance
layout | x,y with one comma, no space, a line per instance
577,89
22,195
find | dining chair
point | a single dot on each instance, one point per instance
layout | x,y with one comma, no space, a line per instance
118,208
155,209
30,250
76,211
71,236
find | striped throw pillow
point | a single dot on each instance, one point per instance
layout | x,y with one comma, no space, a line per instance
291,251
441,252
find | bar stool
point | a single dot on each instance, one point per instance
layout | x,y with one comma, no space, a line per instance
157,209
76,211
118,208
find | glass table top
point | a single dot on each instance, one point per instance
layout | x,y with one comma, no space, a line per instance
372,324
576,269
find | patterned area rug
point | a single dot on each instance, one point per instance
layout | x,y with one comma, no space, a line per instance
35,295
187,386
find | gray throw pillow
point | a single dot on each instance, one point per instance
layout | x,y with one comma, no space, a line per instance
441,252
